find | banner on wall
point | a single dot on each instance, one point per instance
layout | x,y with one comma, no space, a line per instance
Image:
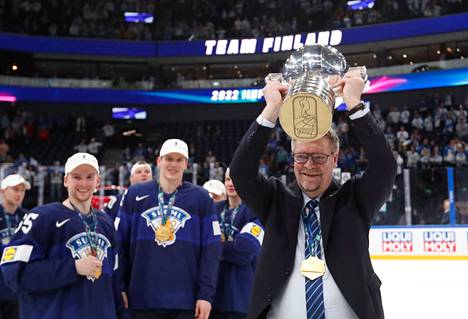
418,242
380,84
226,47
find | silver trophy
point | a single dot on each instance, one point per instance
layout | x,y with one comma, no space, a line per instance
310,72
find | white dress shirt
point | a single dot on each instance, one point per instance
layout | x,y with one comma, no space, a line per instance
291,302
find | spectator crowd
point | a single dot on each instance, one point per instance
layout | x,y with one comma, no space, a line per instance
425,137
187,19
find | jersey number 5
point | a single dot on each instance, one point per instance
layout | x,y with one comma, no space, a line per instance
26,223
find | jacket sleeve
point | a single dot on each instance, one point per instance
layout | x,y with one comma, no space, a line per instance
374,186
254,189
112,207
123,223
210,250
246,244
116,284
25,263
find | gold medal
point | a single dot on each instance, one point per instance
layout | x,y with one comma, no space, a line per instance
313,267
165,232
223,237
98,273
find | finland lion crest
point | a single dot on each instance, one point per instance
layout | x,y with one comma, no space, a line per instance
80,247
165,235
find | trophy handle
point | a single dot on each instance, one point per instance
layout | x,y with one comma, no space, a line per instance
275,77
361,70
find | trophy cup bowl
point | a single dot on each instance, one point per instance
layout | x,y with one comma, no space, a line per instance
307,110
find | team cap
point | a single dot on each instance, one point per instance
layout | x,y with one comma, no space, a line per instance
174,145
14,180
79,159
214,186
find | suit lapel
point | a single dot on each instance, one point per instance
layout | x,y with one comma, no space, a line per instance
293,214
327,212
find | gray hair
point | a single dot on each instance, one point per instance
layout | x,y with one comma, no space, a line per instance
332,137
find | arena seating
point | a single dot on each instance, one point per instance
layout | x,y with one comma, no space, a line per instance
186,19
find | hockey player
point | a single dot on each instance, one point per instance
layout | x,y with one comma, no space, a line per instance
139,173
216,190
170,243
13,189
242,236
62,258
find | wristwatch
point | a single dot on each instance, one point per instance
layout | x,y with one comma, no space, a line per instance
360,107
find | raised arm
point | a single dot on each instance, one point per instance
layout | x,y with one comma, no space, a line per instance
375,185
255,190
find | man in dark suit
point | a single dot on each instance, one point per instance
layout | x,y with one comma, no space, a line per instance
316,226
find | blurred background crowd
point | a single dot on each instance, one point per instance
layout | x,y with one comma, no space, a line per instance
428,133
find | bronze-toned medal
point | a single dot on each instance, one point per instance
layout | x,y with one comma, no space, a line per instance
313,267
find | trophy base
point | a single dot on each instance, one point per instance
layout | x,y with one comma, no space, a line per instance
305,116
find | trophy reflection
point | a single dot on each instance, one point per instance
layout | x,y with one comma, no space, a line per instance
310,72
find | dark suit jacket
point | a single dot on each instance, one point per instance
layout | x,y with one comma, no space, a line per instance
345,212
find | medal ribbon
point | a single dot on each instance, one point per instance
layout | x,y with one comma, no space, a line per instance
170,204
90,223
9,225
228,227
11,222
313,236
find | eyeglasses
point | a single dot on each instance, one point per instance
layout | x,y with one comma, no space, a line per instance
317,158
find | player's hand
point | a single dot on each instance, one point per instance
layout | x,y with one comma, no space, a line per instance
125,299
274,93
352,86
88,266
202,309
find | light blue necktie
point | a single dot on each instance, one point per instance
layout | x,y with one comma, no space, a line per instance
313,288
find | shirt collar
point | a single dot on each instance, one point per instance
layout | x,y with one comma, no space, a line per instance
306,199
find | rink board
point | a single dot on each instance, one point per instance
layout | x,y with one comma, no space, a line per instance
413,243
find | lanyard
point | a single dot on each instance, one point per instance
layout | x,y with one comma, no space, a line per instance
228,227
8,221
91,224
170,204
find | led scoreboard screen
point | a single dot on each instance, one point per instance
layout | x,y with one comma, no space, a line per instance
237,96
380,84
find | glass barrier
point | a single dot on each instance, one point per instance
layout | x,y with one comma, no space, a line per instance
429,196
460,215
393,211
